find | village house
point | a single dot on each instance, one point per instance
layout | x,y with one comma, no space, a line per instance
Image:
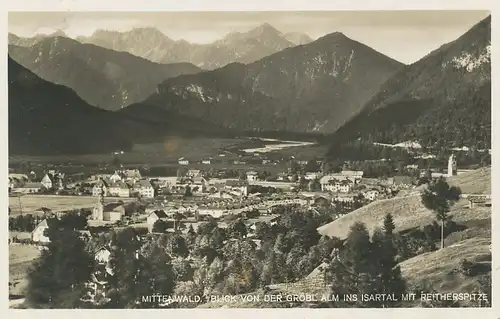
115,177
99,278
119,189
252,176
153,217
312,175
222,195
411,166
30,188
38,235
100,188
19,177
42,211
434,174
344,198
335,186
326,180
145,188
46,181
401,182
193,173
133,175
198,184
215,212
17,180
321,200
355,176
371,194
282,176
102,257
237,186
478,201
183,161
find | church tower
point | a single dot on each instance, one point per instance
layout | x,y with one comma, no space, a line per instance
98,211
452,166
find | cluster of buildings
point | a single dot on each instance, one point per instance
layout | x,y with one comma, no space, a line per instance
30,184
125,183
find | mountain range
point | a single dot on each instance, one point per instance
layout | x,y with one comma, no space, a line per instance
152,44
333,85
103,78
442,100
47,119
315,87
27,42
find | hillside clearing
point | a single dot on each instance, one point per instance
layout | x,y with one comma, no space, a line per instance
437,268
21,258
407,212
474,182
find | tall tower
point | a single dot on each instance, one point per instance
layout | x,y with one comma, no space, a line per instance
452,165
98,211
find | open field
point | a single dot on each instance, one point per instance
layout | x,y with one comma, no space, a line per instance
21,258
30,203
408,212
171,149
167,152
437,268
474,182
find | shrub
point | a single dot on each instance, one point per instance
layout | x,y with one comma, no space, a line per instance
466,268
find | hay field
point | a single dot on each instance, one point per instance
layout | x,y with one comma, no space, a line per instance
475,182
437,267
29,203
21,258
407,212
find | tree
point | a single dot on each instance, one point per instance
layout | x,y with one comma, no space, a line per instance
314,185
438,197
126,265
388,225
188,192
178,217
238,229
75,220
178,246
389,279
57,278
354,272
155,275
160,226
191,235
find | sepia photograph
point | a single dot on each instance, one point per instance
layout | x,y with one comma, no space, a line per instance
274,159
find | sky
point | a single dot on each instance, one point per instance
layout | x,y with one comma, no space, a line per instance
402,35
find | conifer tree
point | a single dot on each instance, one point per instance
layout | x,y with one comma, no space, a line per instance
57,280
438,197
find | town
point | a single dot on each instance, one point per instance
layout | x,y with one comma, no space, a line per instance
210,160
181,204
